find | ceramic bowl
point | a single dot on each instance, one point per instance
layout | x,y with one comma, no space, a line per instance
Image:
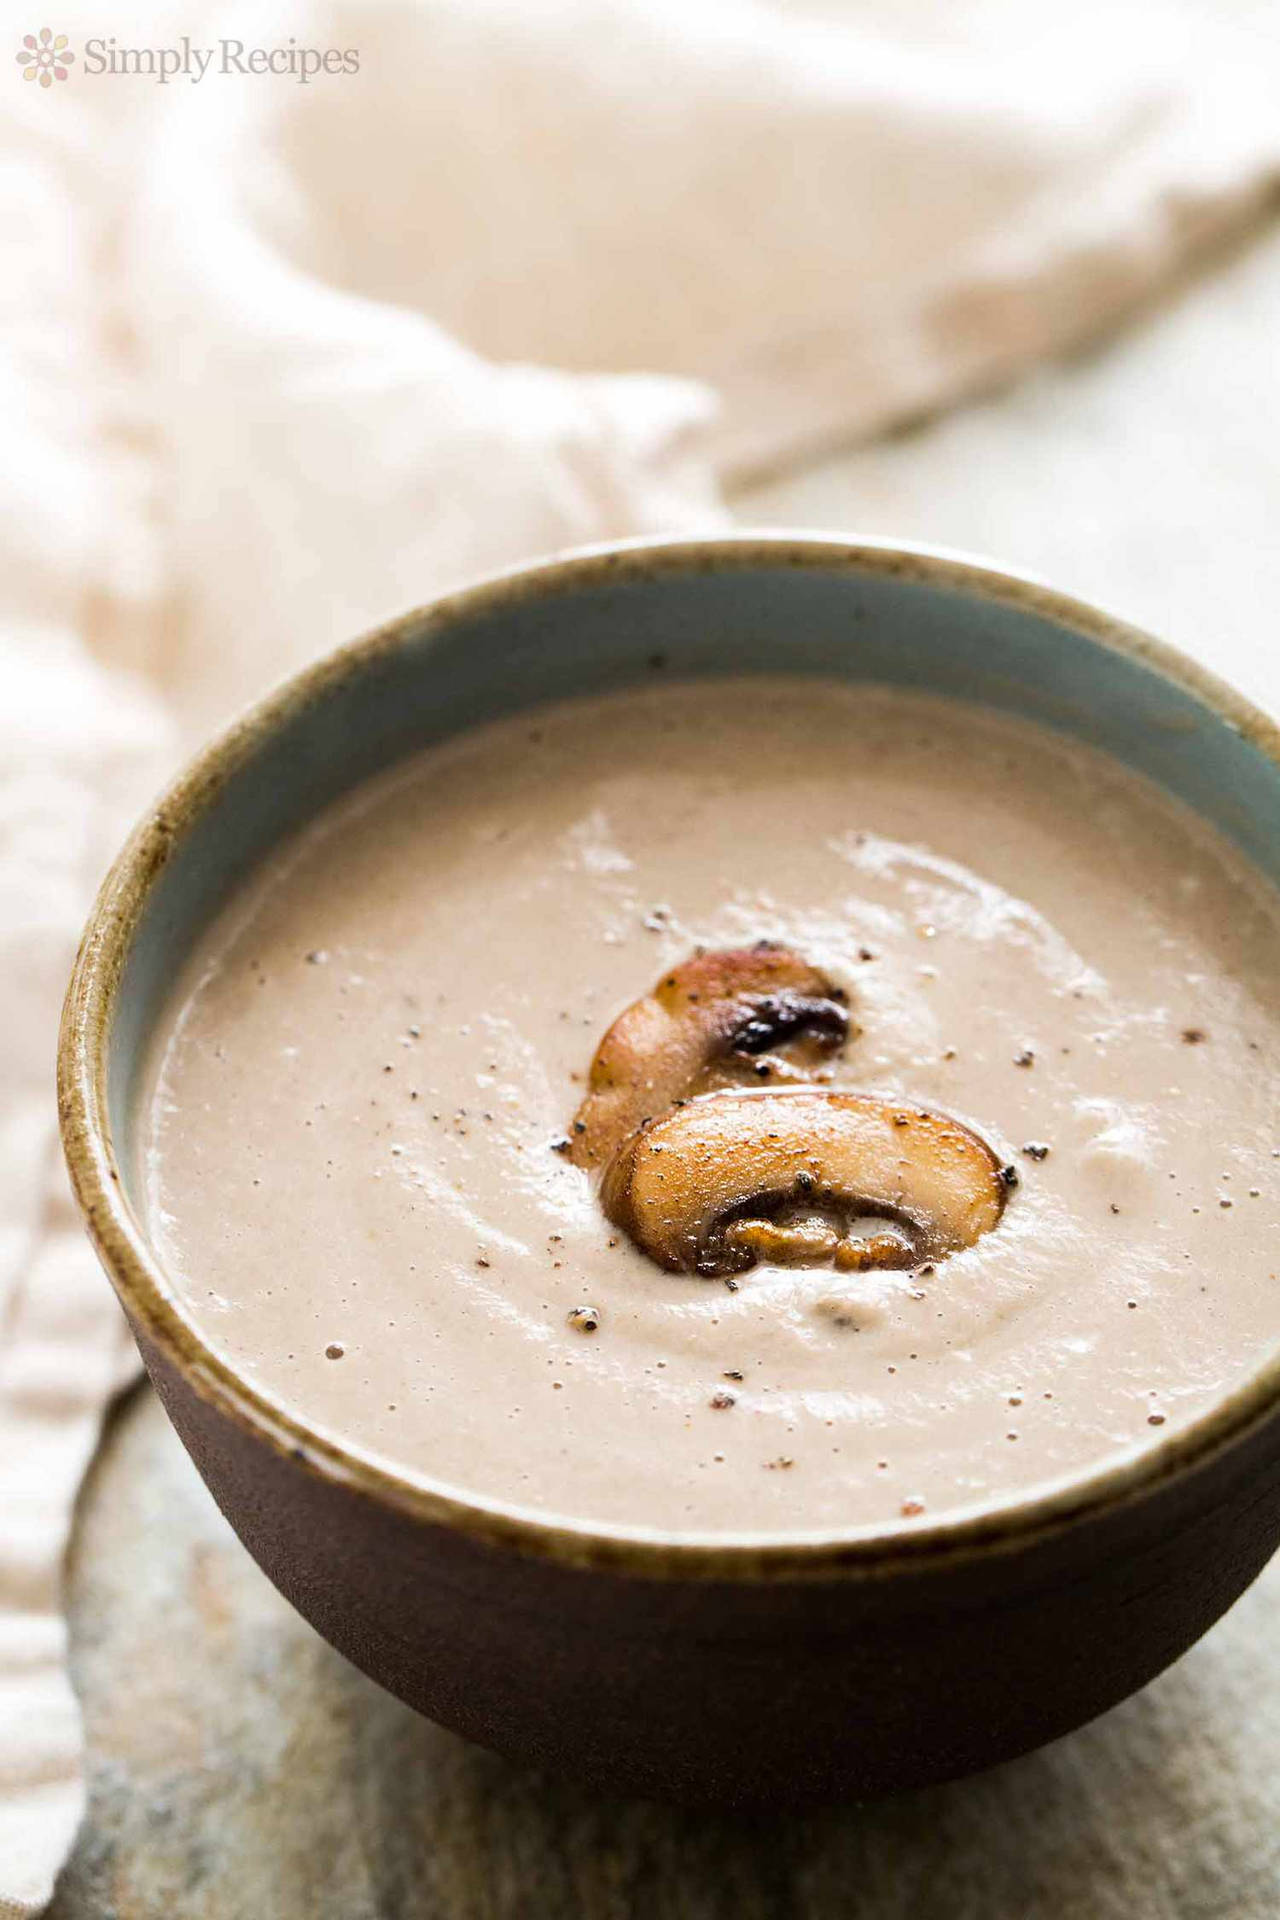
739,1671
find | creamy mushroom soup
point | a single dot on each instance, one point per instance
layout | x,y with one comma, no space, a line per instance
756,1107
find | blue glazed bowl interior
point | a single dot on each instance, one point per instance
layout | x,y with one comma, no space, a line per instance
600,622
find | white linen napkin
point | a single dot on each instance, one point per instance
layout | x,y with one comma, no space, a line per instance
277,360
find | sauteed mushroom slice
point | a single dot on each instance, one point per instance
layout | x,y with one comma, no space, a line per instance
780,1175
717,1019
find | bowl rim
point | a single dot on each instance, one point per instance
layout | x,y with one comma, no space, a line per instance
981,1528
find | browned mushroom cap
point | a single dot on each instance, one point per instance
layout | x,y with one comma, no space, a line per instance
781,1175
713,1020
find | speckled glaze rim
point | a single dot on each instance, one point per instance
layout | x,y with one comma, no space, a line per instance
875,1550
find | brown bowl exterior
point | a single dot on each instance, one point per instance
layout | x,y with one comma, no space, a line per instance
738,1673
746,1694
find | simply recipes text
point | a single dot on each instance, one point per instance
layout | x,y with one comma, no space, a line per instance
186,61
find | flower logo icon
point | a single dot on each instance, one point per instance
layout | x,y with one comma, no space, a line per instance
45,59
